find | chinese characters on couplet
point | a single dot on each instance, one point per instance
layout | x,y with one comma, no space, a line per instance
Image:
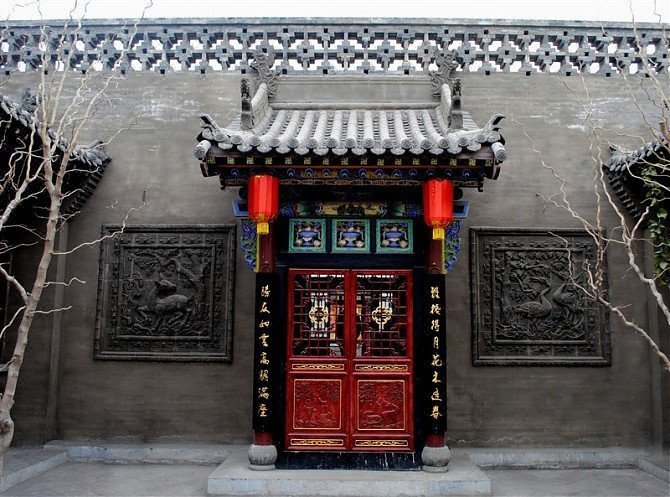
263,352
436,355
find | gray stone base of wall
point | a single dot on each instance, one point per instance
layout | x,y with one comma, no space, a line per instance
129,453
233,476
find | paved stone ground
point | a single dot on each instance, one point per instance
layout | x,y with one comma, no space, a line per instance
93,479
586,482
110,480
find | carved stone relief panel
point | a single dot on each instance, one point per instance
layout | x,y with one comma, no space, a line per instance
165,293
527,305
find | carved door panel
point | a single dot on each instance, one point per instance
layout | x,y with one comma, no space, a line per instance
349,361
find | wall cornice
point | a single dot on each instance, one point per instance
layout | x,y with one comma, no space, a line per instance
342,45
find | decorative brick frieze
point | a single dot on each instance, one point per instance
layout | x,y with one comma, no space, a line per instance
326,46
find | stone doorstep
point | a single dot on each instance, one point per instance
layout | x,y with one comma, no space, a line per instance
20,464
233,477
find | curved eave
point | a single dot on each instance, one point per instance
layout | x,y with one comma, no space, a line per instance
467,169
87,163
624,170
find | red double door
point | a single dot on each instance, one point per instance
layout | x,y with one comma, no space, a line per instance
349,368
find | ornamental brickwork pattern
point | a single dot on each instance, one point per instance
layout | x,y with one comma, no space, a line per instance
326,46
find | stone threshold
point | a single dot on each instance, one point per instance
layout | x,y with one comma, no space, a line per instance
233,477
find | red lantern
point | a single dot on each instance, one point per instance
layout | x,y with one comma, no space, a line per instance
438,205
263,201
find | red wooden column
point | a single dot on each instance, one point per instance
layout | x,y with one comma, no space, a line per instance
436,454
263,453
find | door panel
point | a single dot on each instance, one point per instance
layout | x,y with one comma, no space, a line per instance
381,376
317,312
349,361
381,315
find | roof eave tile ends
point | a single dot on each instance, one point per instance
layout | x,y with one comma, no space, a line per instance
624,171
646,154
90,160
359,131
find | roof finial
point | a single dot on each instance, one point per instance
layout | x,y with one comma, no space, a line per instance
446,70
246,117
264,59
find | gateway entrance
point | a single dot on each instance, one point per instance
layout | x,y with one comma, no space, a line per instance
349,364
362,172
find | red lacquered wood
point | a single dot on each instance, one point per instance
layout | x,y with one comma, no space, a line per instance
267,253
435,440
262,438
381,417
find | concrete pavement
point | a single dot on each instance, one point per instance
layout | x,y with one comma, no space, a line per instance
71,469
96,479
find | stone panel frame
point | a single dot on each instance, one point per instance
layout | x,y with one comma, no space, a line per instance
515,319
166,293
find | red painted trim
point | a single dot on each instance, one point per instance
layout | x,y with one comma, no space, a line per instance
267,253
262,438
434,254
435,440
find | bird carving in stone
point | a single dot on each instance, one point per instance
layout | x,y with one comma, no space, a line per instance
536,308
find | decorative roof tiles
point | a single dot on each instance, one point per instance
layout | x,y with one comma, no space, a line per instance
91,160
646,154
625,172
370,115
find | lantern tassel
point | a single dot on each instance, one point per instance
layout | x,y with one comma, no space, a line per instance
264,229
438,233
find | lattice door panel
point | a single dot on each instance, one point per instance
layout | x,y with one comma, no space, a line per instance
381,315
318,314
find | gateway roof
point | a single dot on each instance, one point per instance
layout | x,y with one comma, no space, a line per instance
358,115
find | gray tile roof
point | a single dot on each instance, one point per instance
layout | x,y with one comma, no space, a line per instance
406,115
92,155
648,153
624,173
358,131
90,160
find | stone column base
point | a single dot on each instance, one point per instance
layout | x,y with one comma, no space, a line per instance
262,457
435,459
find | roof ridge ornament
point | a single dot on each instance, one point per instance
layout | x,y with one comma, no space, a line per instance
246,117
29,100
446,71
264,59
